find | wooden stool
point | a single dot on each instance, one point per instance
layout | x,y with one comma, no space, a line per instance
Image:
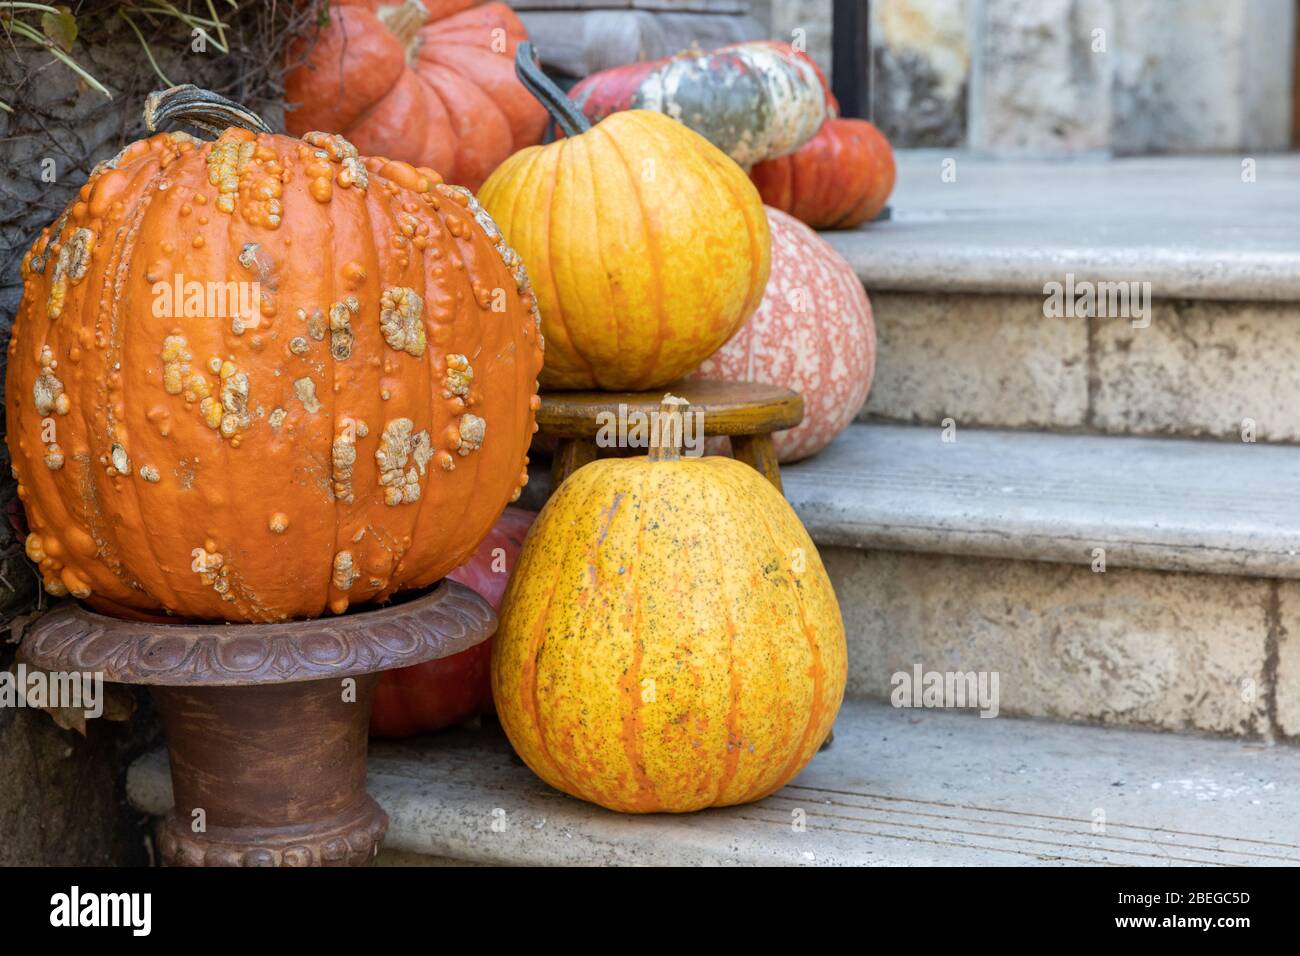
746,412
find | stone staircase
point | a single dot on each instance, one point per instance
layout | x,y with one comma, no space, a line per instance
957,283
1065,503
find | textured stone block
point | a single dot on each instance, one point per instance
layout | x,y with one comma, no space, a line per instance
1287,633
1138,648
1200,368
1037,86
1215,76
979,359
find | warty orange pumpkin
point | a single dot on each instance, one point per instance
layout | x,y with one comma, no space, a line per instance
430,82
669,640
351,430
647,247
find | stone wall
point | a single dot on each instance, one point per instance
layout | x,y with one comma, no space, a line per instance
920,61
1065,77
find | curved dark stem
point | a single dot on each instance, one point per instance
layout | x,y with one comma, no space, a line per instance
201,108
563,110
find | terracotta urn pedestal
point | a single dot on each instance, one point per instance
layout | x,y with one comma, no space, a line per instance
266,724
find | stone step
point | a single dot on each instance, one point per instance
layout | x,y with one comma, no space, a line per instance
897,787
985,555
958,280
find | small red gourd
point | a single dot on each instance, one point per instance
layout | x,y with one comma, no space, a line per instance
442,693
839,179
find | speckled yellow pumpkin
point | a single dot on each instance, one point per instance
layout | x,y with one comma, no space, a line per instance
646,245
262,377
670,640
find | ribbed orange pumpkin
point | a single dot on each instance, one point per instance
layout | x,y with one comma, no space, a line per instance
430,82
256,378
646,245
839,179
669,640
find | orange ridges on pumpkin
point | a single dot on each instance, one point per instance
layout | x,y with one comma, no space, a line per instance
839,179
430,82
355,434
647,247
670,639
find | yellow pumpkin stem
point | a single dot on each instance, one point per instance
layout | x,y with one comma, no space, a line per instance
666,437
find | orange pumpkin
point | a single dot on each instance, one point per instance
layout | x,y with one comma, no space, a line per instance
430,82
647,246
839,179
256,378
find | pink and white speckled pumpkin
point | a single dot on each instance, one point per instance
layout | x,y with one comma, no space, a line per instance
813,333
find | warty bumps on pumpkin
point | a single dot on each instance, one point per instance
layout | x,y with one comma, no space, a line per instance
647,247
355,435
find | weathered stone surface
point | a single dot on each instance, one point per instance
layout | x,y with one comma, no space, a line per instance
897,788
1214,76
1037,86
1195,227
1220,369
1054,77
1140,648
921,65
1220,508
805,22
920,62
979,359
1287,674
1198,369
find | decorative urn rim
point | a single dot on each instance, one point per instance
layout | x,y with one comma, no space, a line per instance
445,620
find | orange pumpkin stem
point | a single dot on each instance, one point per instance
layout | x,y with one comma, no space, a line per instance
666,436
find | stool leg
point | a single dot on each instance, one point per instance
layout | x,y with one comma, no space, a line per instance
570,455
759,453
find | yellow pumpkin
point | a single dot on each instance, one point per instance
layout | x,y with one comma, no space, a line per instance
669,640
647,246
